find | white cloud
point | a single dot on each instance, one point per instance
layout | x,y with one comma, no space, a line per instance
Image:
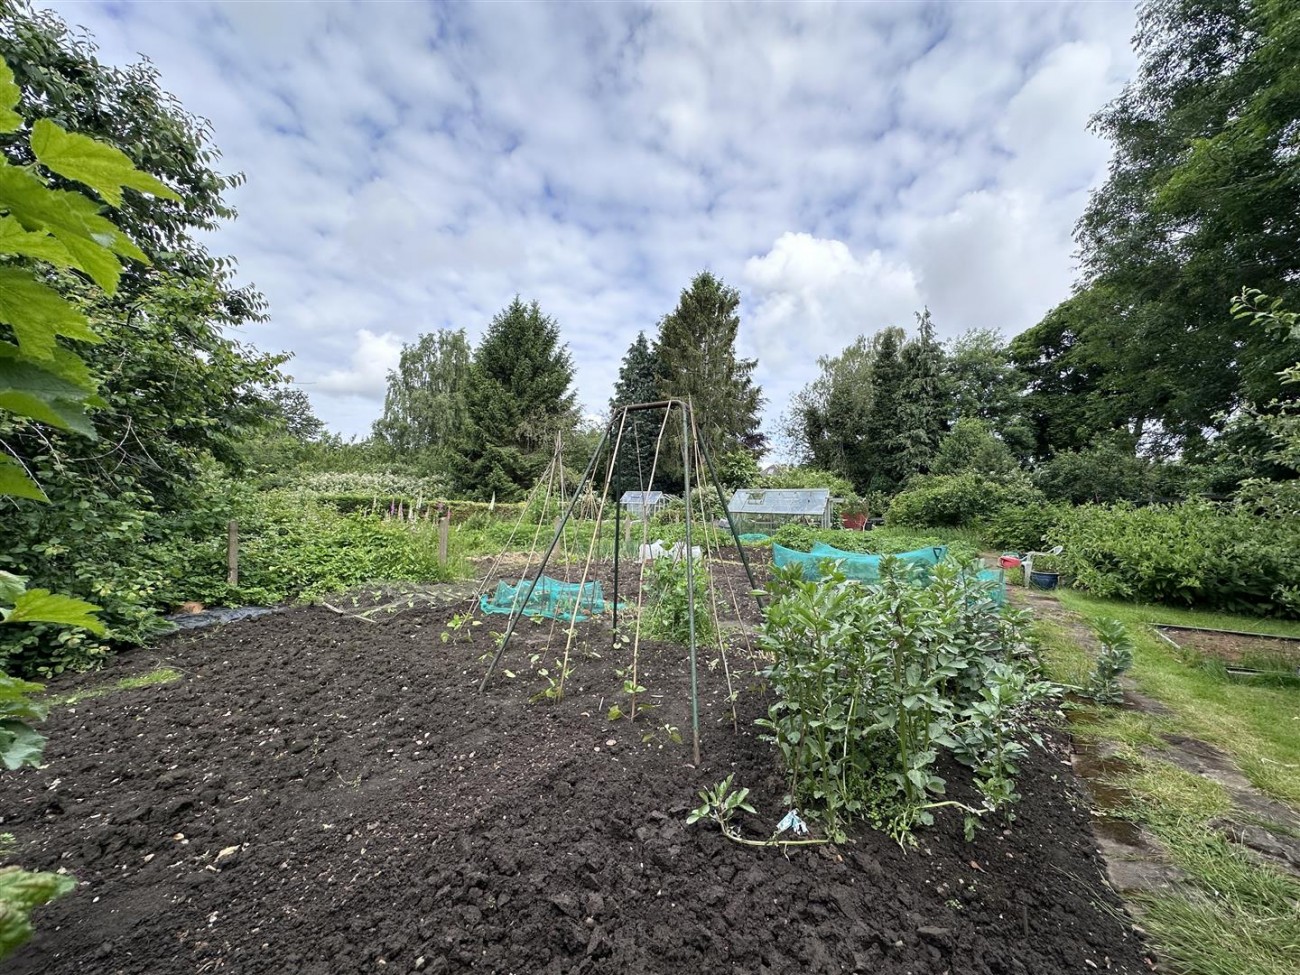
414,166
366,374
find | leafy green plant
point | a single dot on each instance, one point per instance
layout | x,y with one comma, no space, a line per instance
555,680
954,500
1113,659
874,682
1193,554
668,614
721,803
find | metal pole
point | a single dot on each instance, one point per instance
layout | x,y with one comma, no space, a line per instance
717,486
690,582
618,511
514,617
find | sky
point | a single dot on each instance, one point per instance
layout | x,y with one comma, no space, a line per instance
414,166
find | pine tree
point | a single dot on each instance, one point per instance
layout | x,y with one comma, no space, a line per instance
518,395
882,469
697,346
639,377
922,414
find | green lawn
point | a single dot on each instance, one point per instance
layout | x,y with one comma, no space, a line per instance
1258,726
1235,916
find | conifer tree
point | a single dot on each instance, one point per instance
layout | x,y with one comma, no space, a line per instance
697,347
518,395
639,377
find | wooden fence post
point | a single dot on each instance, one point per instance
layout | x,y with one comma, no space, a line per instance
444,525
232,554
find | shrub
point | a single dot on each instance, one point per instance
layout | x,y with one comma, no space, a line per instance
873,683
1022,527
1108,471
955,500
1194,553
807,477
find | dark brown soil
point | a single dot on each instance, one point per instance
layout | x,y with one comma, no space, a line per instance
321,794
1235,648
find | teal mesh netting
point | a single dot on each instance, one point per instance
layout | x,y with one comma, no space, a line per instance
854,565
552,598
866,568
754,537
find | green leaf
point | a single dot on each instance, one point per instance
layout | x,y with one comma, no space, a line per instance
10,121
102,167
20,744
20,892
43,606
15,240
11,587
37,314
25,889
31,391
74,219
14,482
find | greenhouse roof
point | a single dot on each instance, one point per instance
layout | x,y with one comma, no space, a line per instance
641,497
781,501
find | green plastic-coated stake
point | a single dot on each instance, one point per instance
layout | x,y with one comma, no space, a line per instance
690,581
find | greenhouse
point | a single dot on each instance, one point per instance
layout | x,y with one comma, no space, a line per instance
753,510
644,504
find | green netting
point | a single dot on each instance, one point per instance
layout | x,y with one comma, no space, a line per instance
866,568
754,537
854,565
551,598
998,593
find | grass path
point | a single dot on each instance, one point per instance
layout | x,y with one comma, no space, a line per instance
1202,767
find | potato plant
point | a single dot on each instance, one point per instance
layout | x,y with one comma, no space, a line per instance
874,683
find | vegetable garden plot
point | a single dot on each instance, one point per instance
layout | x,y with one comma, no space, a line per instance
320,793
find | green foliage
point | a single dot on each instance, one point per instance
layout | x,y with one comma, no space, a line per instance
21,892
639,376
696,349
738,469
980,382
1198,201
955,500
1108,470
20,744
426,407
518,397
721,803
668,614
875,414
1193,554
971,448
1113,659
874,682
293,547
806,477
1020,527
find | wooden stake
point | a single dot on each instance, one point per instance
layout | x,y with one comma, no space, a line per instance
444,526
232,553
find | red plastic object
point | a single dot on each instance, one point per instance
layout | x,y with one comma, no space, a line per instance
1009,562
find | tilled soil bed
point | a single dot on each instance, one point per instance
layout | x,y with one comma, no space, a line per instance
320,794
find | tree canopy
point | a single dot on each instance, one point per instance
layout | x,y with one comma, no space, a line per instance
696,347
1199,202
519,396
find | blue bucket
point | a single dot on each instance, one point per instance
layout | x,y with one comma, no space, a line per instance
1044,580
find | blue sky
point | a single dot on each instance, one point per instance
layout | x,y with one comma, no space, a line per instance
414,166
